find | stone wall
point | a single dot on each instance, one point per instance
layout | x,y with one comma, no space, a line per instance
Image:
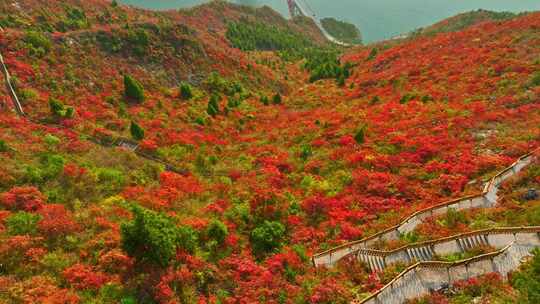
486,199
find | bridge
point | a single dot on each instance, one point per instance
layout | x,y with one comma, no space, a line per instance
302,8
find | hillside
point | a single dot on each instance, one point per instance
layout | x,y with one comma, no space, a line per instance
462,21
343,31
204,155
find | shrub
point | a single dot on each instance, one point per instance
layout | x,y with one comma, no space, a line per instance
37,43
213,105
110,180
50,166
527,281
56,221
83,277
3,146
75,20
267,237
51,140
535,79
533,216
360,136
186,91
59,110
22,223
453,218
217,231
276,99
138,40
154,237
264,99
136,131
22,198
133,90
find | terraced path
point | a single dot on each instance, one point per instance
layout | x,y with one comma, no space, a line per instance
425,275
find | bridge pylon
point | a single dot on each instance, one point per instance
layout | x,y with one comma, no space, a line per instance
294,9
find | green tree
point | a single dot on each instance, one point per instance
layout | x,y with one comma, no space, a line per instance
133,90
186,91
213,105
264,99
360,136
59,110
137,132
267,237
277,98
153,237
217,231
3,146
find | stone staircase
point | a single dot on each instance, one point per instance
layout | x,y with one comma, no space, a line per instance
426,277
486,199
378,260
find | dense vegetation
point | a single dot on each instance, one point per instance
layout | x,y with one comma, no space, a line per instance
343,31
257,167
463,21
252,36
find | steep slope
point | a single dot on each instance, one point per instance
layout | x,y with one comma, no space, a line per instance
267,179
462,21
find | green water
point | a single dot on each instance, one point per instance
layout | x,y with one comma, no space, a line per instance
377,19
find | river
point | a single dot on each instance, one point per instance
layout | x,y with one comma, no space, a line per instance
376,19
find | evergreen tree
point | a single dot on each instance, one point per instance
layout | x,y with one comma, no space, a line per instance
360,136
264,99
277,98
137,131
267,237
217,231
213,105
186,91
59,110
133,90
154,237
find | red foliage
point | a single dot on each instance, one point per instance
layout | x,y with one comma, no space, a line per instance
56,221
115,260
23,198
329,291
74,171
40,289
83,276
170,287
